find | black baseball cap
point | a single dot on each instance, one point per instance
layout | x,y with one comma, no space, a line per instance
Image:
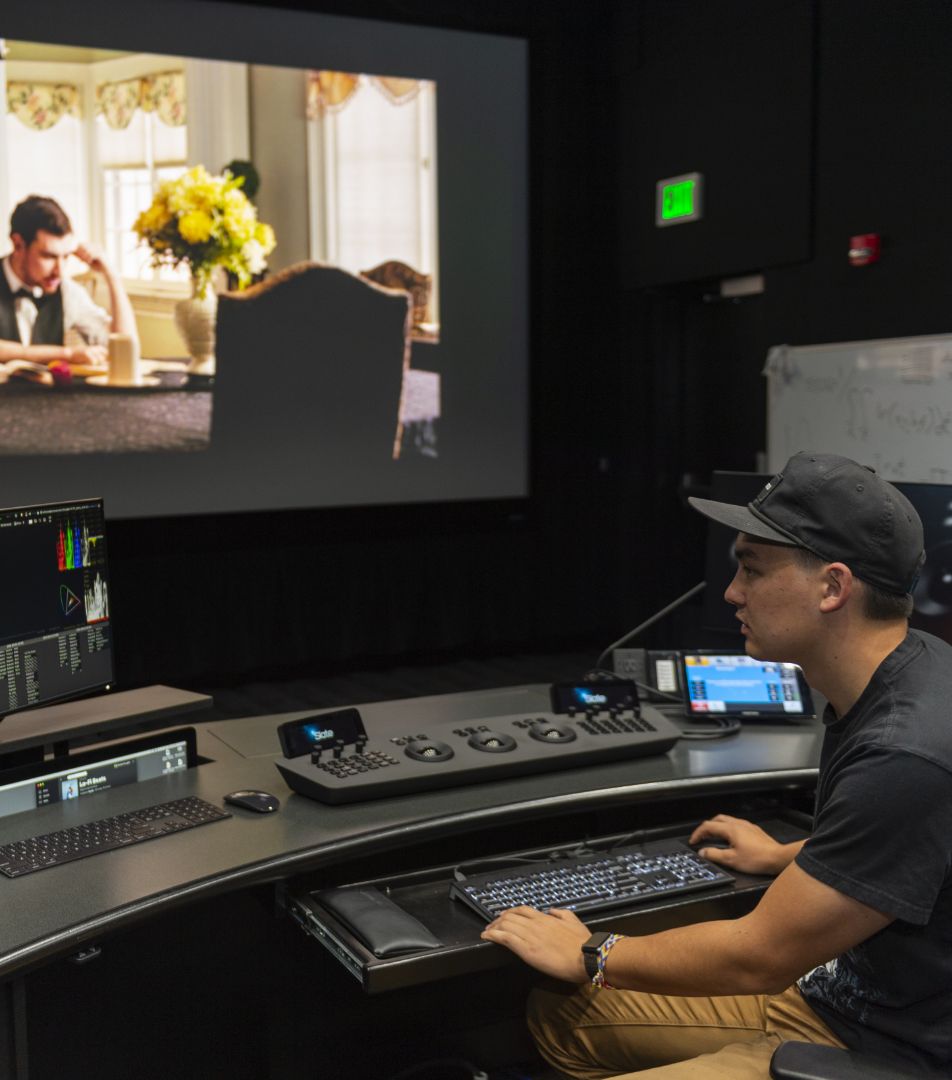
839,510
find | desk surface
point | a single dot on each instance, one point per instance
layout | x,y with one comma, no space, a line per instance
57,911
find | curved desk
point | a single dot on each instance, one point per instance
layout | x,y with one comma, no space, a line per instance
58,911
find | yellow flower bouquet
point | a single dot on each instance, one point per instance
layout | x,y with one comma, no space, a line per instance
205,221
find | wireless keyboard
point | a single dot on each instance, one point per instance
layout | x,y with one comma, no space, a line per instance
107,834
589,883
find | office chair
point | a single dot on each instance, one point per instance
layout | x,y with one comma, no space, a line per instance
323,352
809,1061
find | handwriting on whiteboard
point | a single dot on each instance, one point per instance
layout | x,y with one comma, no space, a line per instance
887,403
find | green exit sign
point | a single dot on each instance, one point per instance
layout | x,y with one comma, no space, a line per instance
678,199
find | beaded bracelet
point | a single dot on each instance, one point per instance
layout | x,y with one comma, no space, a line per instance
598,979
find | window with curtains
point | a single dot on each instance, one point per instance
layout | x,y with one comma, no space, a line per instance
100,147
44,147
372,161
141,140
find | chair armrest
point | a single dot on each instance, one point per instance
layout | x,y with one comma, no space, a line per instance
809,1061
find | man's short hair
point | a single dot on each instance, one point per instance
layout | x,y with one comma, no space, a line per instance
878,604
38,212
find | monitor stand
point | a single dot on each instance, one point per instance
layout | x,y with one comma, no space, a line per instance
53,728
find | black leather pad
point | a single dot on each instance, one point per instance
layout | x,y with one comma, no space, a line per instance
808,1061
385,928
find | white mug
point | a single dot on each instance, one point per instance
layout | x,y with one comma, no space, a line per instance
124,369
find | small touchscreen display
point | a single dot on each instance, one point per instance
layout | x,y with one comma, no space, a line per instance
608,694
320,732
734,684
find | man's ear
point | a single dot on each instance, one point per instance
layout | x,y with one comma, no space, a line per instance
837,586
18,244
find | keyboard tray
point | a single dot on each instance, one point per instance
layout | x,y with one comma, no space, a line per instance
425,895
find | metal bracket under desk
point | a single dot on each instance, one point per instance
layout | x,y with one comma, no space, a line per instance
424,894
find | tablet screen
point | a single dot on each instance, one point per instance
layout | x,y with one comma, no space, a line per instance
734,684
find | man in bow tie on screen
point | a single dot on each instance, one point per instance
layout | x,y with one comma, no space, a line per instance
39,305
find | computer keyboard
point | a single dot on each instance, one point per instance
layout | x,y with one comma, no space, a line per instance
589,883
107,834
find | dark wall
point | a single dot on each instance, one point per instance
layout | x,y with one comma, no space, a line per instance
876,105
641,376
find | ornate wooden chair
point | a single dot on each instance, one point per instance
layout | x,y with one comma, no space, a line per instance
398,275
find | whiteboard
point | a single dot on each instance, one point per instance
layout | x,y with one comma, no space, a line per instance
884,403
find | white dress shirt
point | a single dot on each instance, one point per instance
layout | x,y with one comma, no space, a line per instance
80,314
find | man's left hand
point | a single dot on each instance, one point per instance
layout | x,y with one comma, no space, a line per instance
551,942
93,256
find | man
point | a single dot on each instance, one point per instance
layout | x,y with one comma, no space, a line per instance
39,305
850,945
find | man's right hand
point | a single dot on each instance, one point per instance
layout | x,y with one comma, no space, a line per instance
96,355
750,850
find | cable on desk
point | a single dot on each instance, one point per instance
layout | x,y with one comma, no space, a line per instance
638,836
575,852
720,729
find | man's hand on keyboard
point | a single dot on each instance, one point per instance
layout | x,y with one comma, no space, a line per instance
551,942
750,850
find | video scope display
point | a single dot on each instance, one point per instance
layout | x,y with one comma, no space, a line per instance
742,685
55,633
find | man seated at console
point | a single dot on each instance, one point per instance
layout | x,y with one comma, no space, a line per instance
39,305
850,945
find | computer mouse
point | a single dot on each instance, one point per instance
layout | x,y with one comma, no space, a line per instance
259,801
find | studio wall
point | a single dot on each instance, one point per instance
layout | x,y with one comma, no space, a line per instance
875,106
639,388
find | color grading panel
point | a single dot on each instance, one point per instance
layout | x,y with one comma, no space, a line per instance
453,753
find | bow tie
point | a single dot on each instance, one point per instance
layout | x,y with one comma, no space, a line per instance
27,294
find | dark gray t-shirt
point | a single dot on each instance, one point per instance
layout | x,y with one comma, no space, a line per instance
883,835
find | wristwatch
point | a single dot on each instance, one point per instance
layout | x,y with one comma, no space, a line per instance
590,952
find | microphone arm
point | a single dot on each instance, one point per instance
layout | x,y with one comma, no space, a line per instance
693,591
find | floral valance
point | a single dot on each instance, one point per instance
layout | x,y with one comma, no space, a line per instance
163,94
41,105
329,91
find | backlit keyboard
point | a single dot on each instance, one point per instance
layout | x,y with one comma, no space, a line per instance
588,883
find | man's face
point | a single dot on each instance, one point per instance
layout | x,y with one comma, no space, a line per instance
777,601
41,261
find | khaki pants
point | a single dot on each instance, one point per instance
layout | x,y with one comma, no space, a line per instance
590,1034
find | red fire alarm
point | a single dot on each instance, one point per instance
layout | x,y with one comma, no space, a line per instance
864,249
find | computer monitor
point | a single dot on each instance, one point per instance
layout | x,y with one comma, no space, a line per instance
933,592
55,630
932,597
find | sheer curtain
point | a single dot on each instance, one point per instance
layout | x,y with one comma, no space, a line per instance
43,150
372,164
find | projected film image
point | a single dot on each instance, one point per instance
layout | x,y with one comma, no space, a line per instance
165,220
283,260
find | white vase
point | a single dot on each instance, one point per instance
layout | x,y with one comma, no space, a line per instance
195,320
